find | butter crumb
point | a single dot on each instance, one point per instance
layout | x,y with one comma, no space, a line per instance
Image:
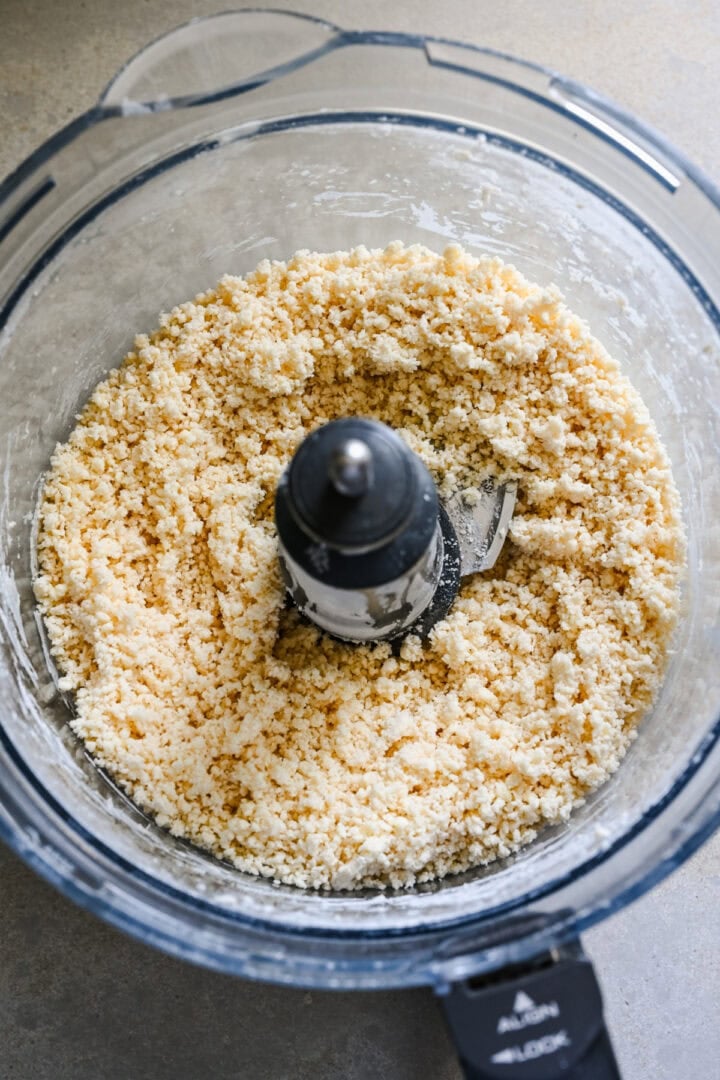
244,729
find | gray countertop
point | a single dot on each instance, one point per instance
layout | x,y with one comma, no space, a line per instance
78,1001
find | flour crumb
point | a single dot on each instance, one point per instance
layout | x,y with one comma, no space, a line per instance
242,728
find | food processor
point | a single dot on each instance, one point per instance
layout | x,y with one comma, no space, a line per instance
253,134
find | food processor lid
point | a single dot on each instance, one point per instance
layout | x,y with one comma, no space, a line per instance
220,82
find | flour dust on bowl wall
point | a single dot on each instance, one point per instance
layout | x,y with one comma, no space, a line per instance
405,698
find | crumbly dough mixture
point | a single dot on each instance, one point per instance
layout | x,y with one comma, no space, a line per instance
250,732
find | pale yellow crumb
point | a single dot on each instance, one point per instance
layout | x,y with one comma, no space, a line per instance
295,756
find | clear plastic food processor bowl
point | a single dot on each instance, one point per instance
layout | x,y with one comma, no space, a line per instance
254,134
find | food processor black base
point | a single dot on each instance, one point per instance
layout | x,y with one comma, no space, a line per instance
537,1021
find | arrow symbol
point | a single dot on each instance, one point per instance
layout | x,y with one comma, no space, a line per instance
523,1002
504,1057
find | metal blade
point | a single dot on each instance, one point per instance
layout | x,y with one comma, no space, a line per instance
481,518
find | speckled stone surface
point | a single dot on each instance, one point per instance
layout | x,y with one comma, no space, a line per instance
78,1001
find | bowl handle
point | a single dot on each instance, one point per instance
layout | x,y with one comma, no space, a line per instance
209,58
540,1021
